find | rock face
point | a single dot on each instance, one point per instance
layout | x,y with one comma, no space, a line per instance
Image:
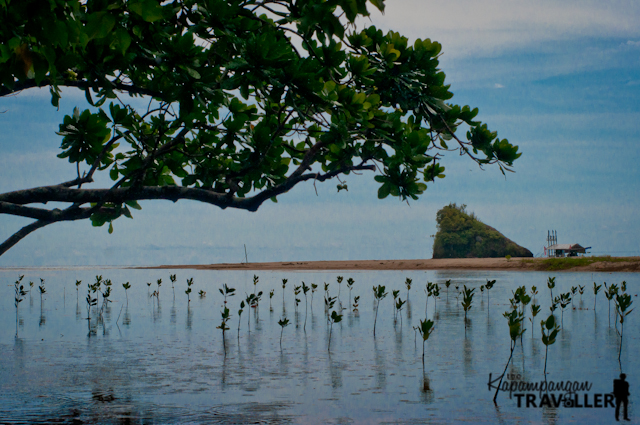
462,235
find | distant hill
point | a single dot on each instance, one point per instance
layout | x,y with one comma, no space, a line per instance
462,235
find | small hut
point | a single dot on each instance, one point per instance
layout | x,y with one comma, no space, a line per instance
566,250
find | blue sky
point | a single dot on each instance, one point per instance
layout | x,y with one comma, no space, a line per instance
561,79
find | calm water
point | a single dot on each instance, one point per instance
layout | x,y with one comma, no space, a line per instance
163,362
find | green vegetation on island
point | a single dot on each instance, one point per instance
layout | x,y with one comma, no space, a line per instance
462,235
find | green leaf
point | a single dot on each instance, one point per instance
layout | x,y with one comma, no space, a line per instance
99,25
149,10
384,191
110,227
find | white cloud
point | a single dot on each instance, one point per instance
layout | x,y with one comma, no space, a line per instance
498,86
485,27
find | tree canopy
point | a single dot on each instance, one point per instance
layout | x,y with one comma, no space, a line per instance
462,235
245,100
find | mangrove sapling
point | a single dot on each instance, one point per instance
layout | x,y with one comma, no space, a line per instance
379,295
467,300
148,288
256,279
535,309
226,291
534,292
126,287
574,291
240,316
350,283
596,289
429,291
408,283
328,305
580,291
549,333
488,287
223,326
30,290
188,291
551,283
271,293
78,283
436,294
159,283
202,294
623,302
610,292
305,289
296,292
314,288
355,303
326,289
447,283
282,322
515,319
399,305
251,301
457,295
90,301
42,290
173,278
20,293
395,294
284,284
564,300
339,279
425,329
335,318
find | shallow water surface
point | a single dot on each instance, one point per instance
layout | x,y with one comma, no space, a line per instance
163,361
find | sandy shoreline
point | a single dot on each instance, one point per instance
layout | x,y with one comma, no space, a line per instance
620,264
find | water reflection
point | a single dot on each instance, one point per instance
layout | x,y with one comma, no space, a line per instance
426,392
189,318
380,366
43,318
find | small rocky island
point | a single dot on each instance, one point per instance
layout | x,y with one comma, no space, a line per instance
462,235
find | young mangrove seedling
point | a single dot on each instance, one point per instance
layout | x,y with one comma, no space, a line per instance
535,309
173,278
271,293
159,283
610,293
78,283
399,305
425,329
596,289
429,291
408,283
551,283
335,318
574,291
126,287
339,279
256,279
240,316
549,333
284,284
305,289
20,293
296,292
188,291
395,294
457,294
282,322
314,288
227,292
467,300
488,287
534,292
580,291
252,303
564,300
223,327
623,302
202,294
326,289
328,305
355,303
379,295
515,319
42,290
447,283
148,287
436,294
90,300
